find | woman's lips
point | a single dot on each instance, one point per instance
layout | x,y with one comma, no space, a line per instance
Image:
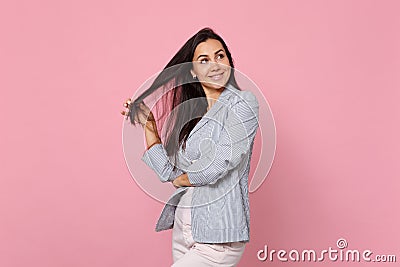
216,77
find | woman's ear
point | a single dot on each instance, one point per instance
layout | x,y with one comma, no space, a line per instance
192,72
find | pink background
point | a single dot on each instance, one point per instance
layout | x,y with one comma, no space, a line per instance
329,69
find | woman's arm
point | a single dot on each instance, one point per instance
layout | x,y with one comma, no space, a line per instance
165,171
151,134
156,157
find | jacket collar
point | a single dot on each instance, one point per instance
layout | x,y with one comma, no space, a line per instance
221,102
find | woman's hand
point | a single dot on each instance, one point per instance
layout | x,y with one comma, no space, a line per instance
145,117
181,180
175,184
126,105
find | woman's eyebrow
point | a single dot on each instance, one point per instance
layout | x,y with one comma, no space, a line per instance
214,53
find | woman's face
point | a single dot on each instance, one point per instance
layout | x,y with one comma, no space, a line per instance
211,64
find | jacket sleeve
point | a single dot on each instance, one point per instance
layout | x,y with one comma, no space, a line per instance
157,159
233,145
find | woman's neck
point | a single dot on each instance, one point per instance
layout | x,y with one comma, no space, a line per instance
212,95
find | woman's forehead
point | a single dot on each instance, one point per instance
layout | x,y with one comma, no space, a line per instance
209,47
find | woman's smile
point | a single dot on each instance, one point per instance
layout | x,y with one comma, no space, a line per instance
217,77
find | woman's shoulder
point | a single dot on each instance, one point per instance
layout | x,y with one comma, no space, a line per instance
242,95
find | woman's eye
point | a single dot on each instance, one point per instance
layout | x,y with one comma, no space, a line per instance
203,61
221,56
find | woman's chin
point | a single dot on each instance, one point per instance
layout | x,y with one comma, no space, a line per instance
216,84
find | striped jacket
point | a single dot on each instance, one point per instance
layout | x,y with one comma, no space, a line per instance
217,162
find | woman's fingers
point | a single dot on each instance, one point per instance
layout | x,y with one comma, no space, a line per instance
175,183
146,110
144,107
143,116
125,112
128,101
172,182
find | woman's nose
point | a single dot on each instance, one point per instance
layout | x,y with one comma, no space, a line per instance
214,65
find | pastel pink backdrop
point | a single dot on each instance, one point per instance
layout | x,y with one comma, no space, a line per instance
329,69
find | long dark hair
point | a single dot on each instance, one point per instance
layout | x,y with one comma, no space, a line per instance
182,87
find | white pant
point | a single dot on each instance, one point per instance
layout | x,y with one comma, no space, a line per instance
186,252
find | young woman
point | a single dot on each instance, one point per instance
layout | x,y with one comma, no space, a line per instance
210,133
